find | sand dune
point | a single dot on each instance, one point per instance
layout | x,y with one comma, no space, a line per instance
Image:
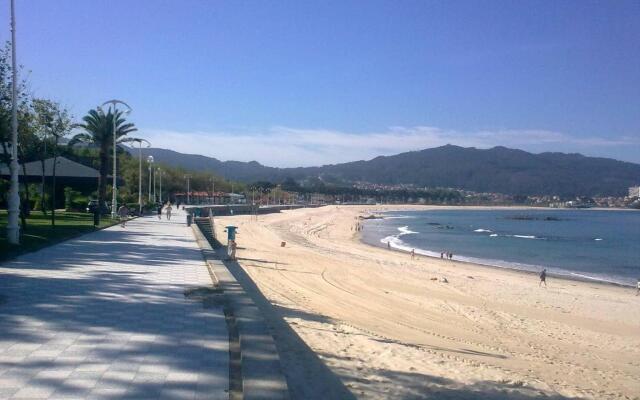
387,330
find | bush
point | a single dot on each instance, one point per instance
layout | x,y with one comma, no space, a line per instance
37,206
74,200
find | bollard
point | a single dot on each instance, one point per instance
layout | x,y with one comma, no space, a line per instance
189,219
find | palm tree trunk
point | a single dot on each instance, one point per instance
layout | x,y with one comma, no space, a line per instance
104,167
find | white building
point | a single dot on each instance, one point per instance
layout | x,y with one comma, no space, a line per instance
634,191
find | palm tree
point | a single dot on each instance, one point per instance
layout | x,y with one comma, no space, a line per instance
98,128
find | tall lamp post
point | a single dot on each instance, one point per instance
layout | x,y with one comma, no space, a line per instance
140,141
155,172
213,191
188,177
160,192
114,200
13,228
150,161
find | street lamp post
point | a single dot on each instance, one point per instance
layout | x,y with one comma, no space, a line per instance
139,141
160,173
188,177
155,172
114,200
213,191
150,161
13,228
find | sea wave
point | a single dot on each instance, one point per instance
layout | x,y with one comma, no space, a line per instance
596,278
398,244
483,230
404,230
518,236
524,236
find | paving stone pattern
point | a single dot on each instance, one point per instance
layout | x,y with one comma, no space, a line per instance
104,317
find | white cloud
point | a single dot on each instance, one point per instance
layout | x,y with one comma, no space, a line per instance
283,146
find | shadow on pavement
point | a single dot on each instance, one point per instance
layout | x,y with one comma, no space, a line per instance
70,325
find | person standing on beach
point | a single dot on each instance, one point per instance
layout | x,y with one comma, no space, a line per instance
638,287
543,278
413,253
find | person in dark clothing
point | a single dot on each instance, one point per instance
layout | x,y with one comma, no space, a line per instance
159,211
543,277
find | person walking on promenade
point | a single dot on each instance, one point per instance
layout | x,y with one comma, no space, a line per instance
232,249
123,213
159,211
168,208
543,278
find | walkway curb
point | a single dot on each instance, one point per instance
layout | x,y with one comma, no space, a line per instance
262,376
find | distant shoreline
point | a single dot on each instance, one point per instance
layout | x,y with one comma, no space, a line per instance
469,207
569,278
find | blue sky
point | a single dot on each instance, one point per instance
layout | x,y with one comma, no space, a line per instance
292,83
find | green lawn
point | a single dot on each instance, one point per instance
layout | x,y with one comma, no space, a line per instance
40,233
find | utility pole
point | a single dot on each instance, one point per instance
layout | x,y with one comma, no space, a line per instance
13,229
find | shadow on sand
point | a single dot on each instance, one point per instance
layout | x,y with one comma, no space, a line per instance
309,378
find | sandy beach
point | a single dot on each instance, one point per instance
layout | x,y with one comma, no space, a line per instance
389,327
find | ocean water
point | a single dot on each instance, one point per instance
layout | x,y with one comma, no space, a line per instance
584,244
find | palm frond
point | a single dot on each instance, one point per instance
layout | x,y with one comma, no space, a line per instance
80,138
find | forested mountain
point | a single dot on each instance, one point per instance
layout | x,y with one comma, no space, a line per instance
498,169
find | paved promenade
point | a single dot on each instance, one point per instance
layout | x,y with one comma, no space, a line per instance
104,317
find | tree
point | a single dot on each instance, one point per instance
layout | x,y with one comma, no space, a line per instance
5,116
28,150
98,127
52,122
5,103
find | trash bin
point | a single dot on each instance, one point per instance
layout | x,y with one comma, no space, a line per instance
189,219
